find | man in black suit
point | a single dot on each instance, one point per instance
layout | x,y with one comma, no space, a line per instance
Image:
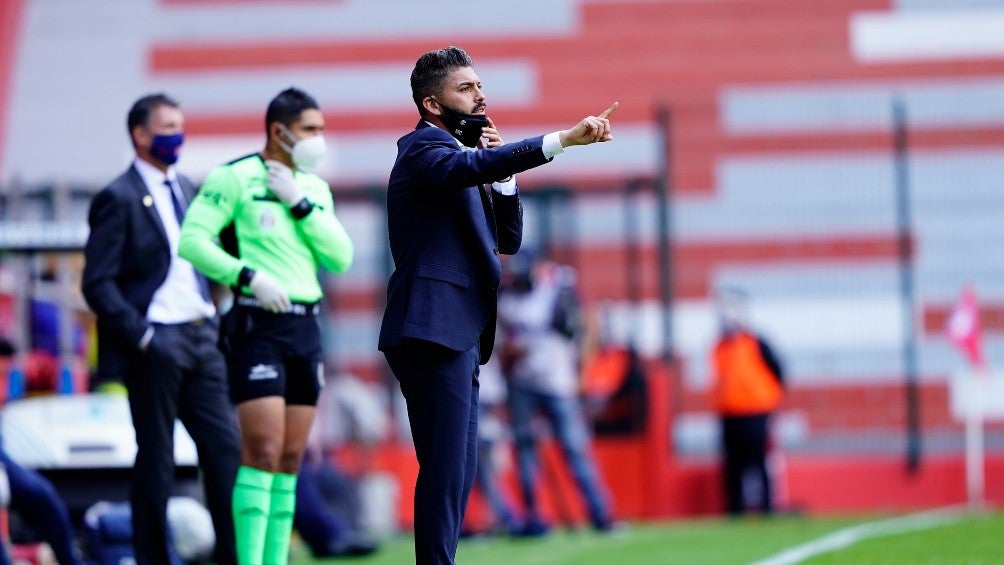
157,331
453,207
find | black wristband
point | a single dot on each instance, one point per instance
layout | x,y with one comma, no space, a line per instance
301,209
245,276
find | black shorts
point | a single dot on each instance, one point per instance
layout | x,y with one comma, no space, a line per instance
272,355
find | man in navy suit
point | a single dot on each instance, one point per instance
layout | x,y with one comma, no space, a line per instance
157,331
453,206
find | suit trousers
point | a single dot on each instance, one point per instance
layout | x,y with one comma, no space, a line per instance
182,375
440,387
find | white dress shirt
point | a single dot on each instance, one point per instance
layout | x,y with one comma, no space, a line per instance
179,299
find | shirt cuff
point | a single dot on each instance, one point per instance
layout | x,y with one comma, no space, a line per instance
552,145
508,188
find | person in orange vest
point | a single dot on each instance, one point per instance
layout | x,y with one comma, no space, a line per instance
747,385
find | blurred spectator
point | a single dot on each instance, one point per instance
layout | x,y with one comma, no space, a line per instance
540,315
492,432
40,370
45,326
43,320
328,509
350,411
614,388
323,528
747,386
35,501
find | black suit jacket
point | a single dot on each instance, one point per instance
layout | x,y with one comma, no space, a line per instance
446,233
127,257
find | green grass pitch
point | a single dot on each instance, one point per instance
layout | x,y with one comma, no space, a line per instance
970,538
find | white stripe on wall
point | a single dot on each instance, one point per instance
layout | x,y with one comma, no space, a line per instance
880,37
367,19
368,87
862,105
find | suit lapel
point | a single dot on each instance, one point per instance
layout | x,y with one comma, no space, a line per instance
483,213
489,208
483,218
149,208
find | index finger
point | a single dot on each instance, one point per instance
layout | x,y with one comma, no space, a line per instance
606,113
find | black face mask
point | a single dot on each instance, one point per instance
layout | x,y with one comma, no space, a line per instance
465,127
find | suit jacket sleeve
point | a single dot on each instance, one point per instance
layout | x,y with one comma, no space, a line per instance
108,219
439,162
508,222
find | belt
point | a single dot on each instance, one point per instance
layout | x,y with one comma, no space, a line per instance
297,309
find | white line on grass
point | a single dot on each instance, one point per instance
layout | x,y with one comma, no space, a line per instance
851,535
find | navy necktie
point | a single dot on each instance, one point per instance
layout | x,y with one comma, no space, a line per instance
179,214
179,210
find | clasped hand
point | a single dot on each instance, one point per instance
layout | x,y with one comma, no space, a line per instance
282,183
270,293
490,136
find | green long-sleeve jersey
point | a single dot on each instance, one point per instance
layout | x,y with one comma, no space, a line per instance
268,238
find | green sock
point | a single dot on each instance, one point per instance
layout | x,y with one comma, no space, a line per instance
280,519
252,491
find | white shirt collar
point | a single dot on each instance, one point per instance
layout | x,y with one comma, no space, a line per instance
461,145
151,175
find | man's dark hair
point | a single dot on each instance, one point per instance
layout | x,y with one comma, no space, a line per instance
287,106
432,69
140,112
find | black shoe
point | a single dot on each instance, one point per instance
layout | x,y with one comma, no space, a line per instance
508,526
533,528
607,526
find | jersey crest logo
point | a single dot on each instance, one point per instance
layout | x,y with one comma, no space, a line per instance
266,220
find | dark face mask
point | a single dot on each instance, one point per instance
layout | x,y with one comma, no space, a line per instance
165,147
465,127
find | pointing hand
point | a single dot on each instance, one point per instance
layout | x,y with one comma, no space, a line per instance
592,129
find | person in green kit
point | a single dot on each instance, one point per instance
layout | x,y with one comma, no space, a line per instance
264,226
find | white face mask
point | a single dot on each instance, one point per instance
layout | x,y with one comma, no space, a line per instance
306,152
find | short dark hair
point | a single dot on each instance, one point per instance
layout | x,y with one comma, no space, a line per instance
287,106
432,69
140,112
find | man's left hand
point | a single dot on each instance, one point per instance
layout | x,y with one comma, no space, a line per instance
490,136
282,183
